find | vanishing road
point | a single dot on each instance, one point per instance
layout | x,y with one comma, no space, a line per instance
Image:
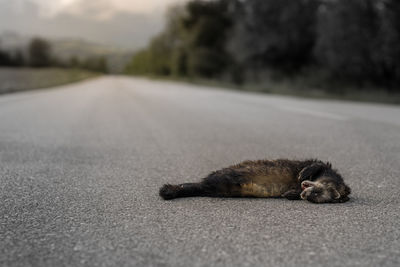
80,168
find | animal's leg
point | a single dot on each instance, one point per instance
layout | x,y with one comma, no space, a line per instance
169,191
293,194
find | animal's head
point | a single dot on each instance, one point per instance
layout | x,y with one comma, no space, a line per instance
324,190
321,184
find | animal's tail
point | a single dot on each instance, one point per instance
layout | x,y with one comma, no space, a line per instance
169,191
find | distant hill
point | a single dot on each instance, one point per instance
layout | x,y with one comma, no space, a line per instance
65,48
11,40
117,58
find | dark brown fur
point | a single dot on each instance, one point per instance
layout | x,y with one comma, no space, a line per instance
312,180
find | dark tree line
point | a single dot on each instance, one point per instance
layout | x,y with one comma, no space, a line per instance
280,34
193,43
39,54
355,41
13,58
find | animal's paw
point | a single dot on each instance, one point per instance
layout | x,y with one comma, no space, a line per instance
292,195
168,191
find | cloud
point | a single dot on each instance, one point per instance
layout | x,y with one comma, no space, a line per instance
126,23
124,29
99,9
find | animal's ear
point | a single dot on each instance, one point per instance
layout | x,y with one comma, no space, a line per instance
311,171
329,164
336,194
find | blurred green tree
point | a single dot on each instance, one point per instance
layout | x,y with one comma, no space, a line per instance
5,58
18,58
206,27
279,34
193,43
390,43
39,53
98,64
74,62
348,41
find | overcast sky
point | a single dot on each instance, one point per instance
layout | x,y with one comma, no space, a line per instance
128,23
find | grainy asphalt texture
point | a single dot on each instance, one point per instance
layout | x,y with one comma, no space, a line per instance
81,165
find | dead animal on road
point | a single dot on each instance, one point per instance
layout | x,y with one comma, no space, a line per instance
311,180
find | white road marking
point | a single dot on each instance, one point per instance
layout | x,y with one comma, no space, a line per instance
313,113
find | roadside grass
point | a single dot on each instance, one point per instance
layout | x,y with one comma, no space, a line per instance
22,79
302,86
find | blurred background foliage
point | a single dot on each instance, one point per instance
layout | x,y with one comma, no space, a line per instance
339,47
320,42
39,54
36,64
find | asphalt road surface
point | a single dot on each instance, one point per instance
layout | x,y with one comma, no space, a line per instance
81,165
